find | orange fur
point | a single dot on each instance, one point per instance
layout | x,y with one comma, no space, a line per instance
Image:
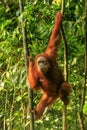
52,82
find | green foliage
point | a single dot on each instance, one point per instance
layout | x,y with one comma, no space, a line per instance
39,19
43,16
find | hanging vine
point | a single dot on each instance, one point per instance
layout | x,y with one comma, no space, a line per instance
26,53
64,126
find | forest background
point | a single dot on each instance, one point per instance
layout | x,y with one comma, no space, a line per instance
39,19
